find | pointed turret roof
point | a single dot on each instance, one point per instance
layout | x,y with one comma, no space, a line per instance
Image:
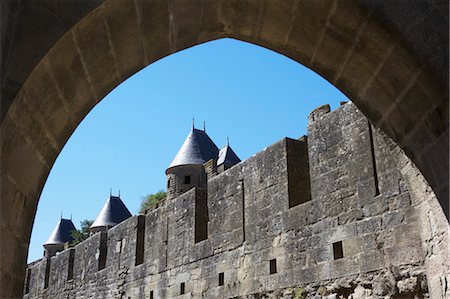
62,232
113,212
196,149
227,156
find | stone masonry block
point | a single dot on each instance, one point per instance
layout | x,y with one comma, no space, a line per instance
125,36
393,219
101,69
370,225
306,29
276,18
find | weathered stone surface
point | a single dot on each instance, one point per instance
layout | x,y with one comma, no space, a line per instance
251,225
128,54
390,58
101,70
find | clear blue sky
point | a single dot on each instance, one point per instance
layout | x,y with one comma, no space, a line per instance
250,94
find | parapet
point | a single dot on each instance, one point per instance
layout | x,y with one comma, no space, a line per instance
318,112
330,213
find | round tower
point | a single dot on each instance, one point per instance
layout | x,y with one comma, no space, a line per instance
113,212
186,170
61,235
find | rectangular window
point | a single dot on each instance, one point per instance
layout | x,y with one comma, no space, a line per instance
70,267
201,216
151,294
182,289
47,272
140,240
103,248
187,179
221,279
273,266
337,250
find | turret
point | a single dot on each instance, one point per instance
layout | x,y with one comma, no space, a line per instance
113,212
186,170
61,235
227,158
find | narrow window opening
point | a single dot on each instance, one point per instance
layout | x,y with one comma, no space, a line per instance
187,179
70,267
47,272
166,243
374,161
151,294
273,266
140,240
27,282
221,279
103,248
168,183
201,215
337,250
182,288
243,210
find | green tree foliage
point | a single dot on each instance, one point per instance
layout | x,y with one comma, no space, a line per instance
81,234
152,199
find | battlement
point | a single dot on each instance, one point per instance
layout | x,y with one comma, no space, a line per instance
331,210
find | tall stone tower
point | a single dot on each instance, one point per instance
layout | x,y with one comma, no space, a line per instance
187,170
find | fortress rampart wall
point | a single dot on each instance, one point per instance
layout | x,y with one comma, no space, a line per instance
327,214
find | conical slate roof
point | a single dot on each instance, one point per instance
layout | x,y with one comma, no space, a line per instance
227,156
196,149
113,212
62,232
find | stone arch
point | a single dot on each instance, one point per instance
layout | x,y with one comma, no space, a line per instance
348,43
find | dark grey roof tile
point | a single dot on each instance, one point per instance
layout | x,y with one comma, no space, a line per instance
227,156
113,212
62,232
196,149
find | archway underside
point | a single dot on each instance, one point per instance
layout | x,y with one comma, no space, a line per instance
342,41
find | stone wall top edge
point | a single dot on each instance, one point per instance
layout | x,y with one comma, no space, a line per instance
238,169
188,194
318,113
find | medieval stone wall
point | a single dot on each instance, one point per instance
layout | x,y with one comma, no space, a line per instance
357,233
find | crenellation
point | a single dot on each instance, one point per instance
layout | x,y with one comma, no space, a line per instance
300,216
